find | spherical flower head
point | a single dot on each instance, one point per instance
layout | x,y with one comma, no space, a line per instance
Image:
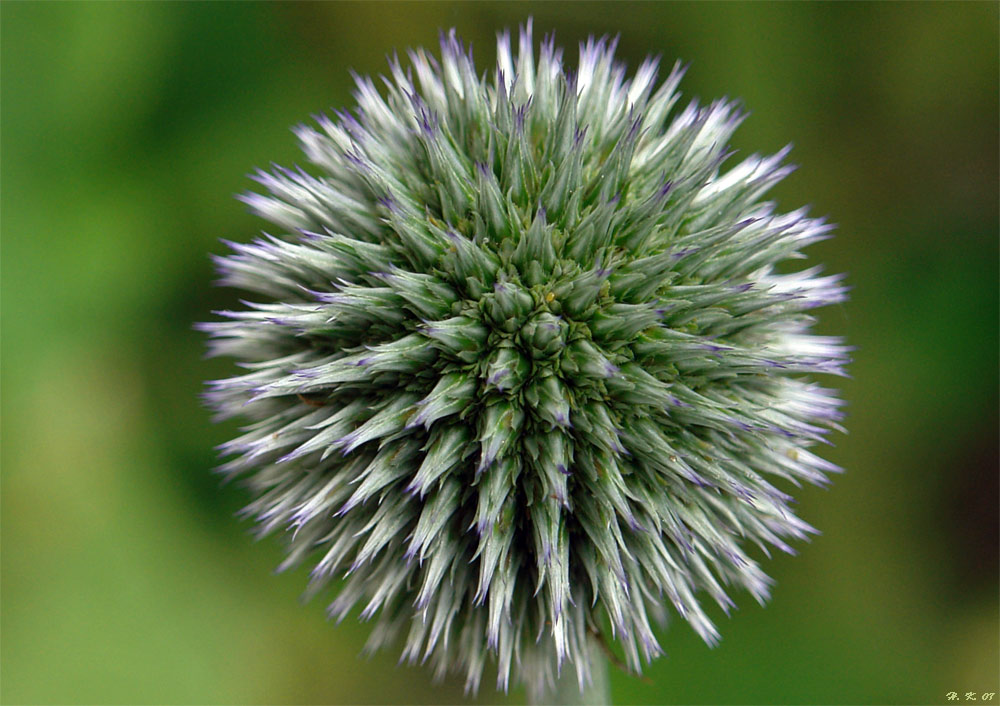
526,368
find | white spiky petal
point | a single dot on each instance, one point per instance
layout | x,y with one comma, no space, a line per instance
525,363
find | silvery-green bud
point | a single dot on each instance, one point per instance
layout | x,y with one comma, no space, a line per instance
508,306
543,335
528,361
507,368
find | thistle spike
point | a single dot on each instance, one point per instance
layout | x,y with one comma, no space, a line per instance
528,362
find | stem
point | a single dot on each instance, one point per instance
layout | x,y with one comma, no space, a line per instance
567,689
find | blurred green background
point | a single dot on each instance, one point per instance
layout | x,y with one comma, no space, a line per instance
127,128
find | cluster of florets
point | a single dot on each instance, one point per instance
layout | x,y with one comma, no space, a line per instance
527,363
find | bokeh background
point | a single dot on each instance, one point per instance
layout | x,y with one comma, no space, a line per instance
127,128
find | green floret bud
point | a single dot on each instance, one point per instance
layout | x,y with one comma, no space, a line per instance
507,368
543,336
508,306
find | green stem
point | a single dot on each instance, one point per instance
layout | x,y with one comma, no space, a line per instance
567,689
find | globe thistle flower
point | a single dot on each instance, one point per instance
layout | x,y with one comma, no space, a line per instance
525,368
